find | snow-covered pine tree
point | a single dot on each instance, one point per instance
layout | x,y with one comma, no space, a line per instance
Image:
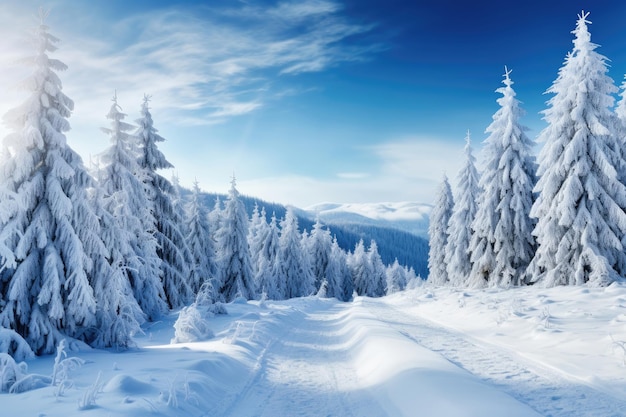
180,206
124,197
438,233
215,217
48,227
293,271
265,278
342,286
201,245
396,277
502,244
378,271
172,248
620,112
319,248
118,315
458,255
257,232
307,260
234,263
361,270
581,202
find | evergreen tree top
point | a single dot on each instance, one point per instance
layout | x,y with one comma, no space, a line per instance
582,39
233,193
507,78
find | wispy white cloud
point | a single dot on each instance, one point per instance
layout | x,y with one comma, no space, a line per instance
419,158
352,175
213,62
408,169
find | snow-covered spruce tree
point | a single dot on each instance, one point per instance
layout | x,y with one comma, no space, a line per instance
458,254
342,286
361,270
118,315
265,278
396,277
201,245
124,197
257,232
180,205
48,229
580,206
292,270
620,112
502,244
215,217
234,263
172,248
378,271
438,233
319,246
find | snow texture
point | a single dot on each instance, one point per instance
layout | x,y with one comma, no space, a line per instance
432,351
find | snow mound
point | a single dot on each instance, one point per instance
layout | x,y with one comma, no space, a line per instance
127,385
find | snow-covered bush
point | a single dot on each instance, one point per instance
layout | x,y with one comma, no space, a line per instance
191,325
13,344
10,372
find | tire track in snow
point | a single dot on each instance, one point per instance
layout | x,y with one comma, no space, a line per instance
306,370
546,391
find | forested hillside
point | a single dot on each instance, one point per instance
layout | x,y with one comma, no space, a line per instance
409,249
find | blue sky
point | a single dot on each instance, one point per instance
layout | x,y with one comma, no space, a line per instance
312,100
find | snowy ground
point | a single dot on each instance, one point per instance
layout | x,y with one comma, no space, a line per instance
426,352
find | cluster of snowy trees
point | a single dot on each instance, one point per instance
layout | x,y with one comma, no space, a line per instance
91,254
561,221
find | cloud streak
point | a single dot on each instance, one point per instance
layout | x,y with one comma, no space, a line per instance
210,63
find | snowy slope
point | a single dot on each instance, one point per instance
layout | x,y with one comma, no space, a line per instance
427,352
406,216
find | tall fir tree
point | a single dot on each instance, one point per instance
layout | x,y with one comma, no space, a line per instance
343,279
293,271
124,197
201,245
49,232
502,244
581,201
361,270
172,248
265,278
257,232
319,247
234,263
215,217
620,112
378,275
458,254
438,233
118,314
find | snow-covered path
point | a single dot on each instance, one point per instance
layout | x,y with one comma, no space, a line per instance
337,359
546,390
306,371
426,352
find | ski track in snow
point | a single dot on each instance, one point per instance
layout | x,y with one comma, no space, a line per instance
308,373
549,392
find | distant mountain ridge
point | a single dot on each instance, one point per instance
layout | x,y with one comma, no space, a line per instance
406,216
